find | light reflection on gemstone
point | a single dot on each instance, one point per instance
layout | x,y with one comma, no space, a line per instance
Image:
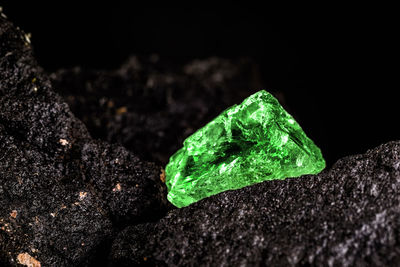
246,144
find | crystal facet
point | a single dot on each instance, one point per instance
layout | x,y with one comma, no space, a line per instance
246,144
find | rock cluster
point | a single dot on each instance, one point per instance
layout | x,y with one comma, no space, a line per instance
150,106
346,216
67,199
62,194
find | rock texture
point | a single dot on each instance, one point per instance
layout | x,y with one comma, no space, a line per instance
149,105
346,216
62,194
65,196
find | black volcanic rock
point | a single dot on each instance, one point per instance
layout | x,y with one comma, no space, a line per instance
150,106
65,196
60,191
44,210
131,188
346,216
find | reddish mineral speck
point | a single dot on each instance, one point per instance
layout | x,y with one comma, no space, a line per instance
121,110
82,195
28,260
117,187
63,142
14,214
162,175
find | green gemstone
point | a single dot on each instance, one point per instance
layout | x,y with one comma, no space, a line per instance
246,144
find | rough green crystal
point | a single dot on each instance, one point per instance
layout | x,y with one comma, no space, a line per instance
246,144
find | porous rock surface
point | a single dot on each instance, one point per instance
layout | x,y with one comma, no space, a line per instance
65,196
346,216
62,194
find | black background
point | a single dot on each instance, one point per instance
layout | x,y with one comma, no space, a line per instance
337,66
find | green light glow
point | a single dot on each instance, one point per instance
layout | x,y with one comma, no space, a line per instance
246,144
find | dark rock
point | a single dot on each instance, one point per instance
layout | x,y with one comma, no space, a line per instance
131,188
131,252
151,108
45,212
348,215
64,196
57,203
